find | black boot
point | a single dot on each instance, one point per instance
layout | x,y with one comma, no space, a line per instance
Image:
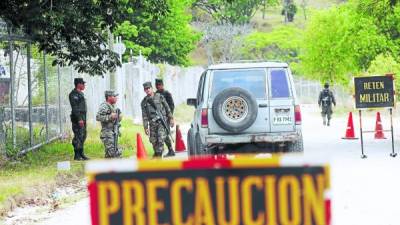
77,156
170,152
157,155
83,156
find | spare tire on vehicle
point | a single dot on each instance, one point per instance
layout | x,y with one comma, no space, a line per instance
234,109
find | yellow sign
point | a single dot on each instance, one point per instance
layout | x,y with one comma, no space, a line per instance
226,196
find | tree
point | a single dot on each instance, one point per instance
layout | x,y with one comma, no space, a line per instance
339,43
386,16
162,38
70,30
223,41
283,43
289,10
386,64
231,11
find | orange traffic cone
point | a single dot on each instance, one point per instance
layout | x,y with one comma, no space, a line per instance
141,152
179,144
350,128
378,127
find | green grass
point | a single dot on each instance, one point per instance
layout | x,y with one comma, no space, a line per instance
38,169
184,114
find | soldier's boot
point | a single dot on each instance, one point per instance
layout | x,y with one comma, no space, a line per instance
84,157
77,156
328,122
170,152
157,155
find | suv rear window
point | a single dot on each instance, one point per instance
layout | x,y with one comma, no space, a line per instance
252,81
279,84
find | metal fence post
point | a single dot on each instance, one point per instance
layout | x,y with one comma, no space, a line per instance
46,103
60,130
2,135
13,126
28,67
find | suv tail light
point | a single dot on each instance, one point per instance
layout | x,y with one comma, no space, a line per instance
204,118
297,115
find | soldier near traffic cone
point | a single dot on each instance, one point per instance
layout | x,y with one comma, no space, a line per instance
325,101
78,118
109,116
168,98
155,113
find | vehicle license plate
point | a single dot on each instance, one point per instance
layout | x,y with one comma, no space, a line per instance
282,120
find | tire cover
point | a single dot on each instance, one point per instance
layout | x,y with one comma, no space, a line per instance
221,118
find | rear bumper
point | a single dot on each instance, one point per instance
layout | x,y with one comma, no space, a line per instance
253,138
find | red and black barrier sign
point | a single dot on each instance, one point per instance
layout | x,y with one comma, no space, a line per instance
261,195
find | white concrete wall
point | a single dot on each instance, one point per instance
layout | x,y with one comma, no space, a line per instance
181,82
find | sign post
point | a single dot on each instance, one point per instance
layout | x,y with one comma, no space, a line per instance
375,92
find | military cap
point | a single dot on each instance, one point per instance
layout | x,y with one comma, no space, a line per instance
159,81
110,93
326,85
147,84
79,81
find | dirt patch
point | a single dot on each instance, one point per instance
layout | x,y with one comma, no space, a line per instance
19,208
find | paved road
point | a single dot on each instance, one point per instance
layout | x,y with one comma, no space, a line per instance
363,191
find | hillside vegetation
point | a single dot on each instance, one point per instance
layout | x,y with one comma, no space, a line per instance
326,41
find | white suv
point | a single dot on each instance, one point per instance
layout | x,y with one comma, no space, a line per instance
241,107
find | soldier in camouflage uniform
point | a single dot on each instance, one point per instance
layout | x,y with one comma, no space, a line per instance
78,118
325,101
168,98
151,123
107,115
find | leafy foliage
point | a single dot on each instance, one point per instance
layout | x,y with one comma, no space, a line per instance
386,64
231,11
73,31
283,43
340,42
162,38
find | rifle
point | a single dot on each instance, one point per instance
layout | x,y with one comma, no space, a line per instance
160,117
116,130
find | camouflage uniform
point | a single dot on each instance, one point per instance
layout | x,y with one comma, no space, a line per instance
107,127
167,95
78,112
158,133
168,98
325,101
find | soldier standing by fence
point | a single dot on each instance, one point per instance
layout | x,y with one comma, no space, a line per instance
168,98
78,118
325,101
109,116
155,111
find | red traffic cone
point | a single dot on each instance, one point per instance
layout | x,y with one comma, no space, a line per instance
179,144
350,128
141,152
378,127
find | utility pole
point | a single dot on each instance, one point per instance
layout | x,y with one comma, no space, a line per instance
111,48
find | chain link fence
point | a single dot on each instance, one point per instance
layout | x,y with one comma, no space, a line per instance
308,92
34,104
31,111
